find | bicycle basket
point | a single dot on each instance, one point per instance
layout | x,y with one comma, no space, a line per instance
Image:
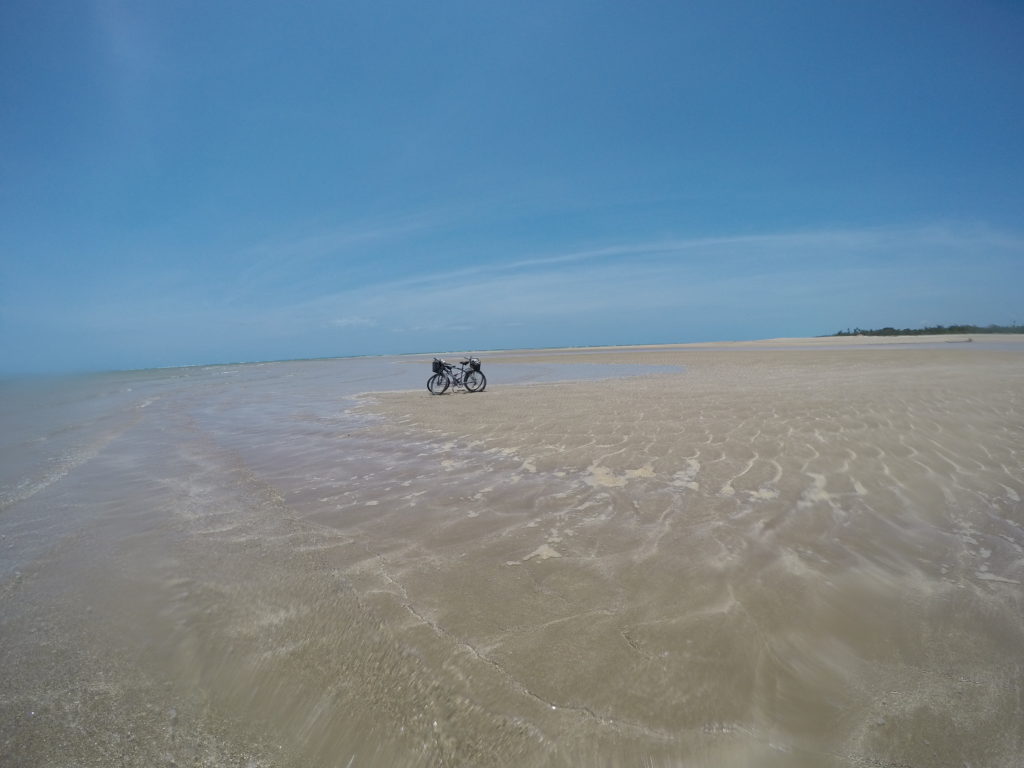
438,365
474,363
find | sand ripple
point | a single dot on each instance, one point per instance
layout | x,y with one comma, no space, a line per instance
775,558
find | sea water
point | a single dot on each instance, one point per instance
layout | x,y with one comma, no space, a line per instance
159,529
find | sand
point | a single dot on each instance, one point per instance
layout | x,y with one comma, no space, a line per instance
799,557
789,553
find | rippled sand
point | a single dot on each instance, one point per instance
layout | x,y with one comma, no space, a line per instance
776,557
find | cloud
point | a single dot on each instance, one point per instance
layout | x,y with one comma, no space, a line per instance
292,269
749,271
353,321
694,289
752,274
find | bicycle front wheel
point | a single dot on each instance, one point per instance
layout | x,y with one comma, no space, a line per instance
475,381
437,384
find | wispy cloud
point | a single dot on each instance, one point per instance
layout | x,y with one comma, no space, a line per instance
353,321
298,264
700,272
677,289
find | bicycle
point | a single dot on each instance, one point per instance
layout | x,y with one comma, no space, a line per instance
467,375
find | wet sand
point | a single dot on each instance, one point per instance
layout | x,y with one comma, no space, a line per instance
783,555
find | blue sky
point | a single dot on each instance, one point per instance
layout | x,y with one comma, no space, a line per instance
193,182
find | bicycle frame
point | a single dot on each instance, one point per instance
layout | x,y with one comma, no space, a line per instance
456,375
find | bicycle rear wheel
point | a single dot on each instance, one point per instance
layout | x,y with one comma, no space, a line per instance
437,384
475,381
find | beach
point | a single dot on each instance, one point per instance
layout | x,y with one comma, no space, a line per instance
797,552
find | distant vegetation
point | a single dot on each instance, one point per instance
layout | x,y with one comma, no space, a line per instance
932,330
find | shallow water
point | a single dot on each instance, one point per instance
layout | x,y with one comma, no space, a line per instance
770,559
153,522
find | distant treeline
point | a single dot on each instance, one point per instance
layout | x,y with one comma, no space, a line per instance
932,330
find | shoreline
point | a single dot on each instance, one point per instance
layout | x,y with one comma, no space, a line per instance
798,341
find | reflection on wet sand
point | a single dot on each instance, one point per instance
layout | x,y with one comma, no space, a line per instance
775,558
